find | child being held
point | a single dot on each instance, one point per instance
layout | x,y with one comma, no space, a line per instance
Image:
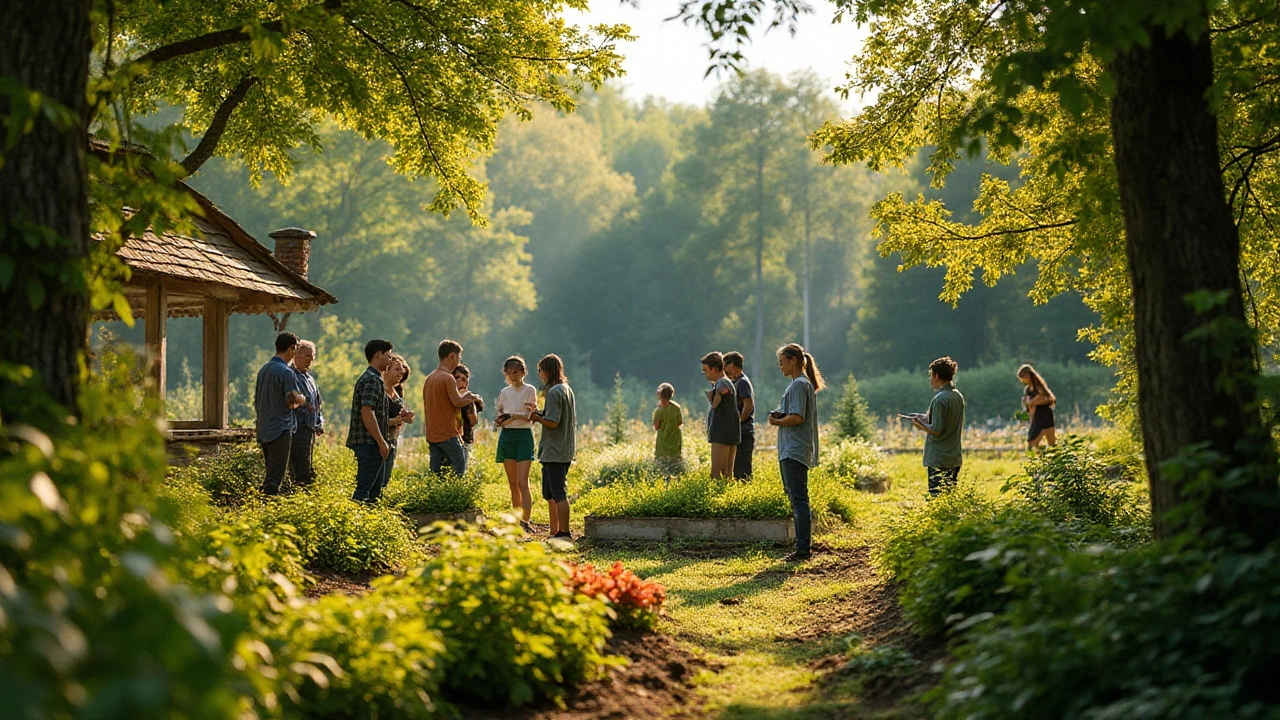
667,418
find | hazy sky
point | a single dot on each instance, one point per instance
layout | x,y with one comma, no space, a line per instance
668,59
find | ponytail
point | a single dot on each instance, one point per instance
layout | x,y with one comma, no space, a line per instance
815,375
810,366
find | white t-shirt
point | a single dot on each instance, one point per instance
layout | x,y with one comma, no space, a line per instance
512,401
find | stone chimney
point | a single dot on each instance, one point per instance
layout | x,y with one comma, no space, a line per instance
293,248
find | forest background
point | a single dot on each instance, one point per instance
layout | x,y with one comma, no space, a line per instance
631,238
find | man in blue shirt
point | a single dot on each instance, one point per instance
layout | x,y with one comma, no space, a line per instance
309,417
275,397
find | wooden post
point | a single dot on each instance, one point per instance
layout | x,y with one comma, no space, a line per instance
156,326
216,313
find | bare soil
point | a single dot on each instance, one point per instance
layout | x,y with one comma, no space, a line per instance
656,682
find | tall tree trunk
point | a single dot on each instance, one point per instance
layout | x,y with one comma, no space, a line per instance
44,45
757,357
808,252
1181,239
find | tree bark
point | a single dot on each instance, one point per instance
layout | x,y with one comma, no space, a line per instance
757,358
1181,239
44,45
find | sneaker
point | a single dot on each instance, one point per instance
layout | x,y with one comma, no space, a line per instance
563,535
797,556
526,526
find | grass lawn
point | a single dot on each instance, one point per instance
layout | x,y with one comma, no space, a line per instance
770,632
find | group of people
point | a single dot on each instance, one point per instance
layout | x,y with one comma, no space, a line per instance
730,427
290,415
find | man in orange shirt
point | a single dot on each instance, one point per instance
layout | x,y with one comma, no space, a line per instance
441,401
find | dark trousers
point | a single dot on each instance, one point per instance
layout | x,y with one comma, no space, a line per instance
742,461
369,467
300,468
276,453
451,453
385,475
795,481
942,479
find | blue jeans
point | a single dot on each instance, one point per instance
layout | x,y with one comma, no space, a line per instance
795,481
385,475
451,452
369,468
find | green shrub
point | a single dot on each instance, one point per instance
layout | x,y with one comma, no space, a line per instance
370,656
1154,633
422,491
958,558
624,462
852,416
91,623
233,474
514,632
991,390
855,462
1072,483
699,496
335,532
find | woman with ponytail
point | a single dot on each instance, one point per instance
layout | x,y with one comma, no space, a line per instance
796,418
1039,401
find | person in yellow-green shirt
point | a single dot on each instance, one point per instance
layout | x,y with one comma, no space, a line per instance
667,419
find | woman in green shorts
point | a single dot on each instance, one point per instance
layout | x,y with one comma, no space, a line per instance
516,404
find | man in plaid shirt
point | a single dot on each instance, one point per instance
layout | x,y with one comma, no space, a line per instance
367,436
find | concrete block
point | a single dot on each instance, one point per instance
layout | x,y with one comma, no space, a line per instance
715,529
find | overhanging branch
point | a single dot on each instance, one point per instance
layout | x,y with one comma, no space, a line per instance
209,142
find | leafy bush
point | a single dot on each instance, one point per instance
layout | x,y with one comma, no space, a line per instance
336,532
92,625
957,558
991,390
699,496
623,462
852,416
369,656
1072,483
514,631
636,603
233,474
855,462
421,491
879,660
1157,632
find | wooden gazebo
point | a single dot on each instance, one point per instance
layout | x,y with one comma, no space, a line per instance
217,270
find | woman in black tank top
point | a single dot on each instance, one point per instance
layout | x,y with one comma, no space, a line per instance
1039,401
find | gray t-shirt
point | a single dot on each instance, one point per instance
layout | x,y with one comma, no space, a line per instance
942,448
558,442
799,442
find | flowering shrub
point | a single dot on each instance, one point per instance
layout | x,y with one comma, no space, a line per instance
636,602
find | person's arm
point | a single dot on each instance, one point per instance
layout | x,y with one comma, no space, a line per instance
371,424
797,408
551,418
748,407
656,425
457,398
937,418
319,410
720,392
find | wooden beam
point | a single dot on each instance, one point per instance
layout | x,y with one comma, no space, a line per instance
155,323
216,314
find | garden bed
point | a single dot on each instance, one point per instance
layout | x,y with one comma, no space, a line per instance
424,519
676,528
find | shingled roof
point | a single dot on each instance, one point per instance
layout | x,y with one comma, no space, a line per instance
221,256
219,259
